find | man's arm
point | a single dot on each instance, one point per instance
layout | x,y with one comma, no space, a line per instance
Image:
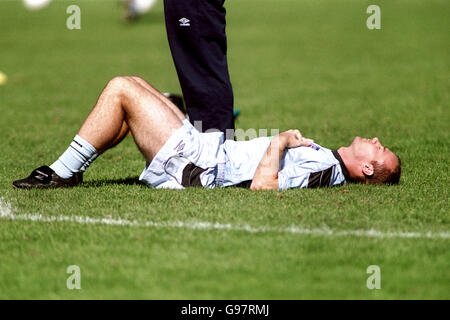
266,175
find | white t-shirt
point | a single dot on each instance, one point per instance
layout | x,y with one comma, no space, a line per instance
302,167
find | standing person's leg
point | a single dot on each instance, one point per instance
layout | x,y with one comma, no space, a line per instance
197,39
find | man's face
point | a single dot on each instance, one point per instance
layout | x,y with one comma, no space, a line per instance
368,150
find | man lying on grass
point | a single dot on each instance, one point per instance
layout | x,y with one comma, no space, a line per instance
179,156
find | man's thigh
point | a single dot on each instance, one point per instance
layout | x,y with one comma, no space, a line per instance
150,119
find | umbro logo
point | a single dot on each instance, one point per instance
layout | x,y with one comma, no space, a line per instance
184,22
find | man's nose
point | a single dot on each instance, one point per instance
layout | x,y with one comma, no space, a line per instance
375,140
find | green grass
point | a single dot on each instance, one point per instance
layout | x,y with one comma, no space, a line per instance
311,65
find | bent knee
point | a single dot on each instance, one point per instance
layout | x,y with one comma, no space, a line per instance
118,81
120,84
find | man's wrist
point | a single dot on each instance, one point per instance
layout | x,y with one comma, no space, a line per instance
280,142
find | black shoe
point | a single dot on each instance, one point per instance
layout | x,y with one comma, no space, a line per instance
176,100
45,177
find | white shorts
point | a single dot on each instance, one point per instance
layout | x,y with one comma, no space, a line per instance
189,158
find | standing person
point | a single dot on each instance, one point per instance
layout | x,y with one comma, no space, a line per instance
197,39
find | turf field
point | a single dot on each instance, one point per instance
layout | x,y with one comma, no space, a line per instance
311,65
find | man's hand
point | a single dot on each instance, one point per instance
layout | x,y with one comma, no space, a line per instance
266,175
294,139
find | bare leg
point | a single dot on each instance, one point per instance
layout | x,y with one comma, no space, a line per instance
125,104
125,129
122,134
169,103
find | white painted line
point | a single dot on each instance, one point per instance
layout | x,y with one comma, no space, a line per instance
6,213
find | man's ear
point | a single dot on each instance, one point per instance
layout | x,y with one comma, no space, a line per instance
368,169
